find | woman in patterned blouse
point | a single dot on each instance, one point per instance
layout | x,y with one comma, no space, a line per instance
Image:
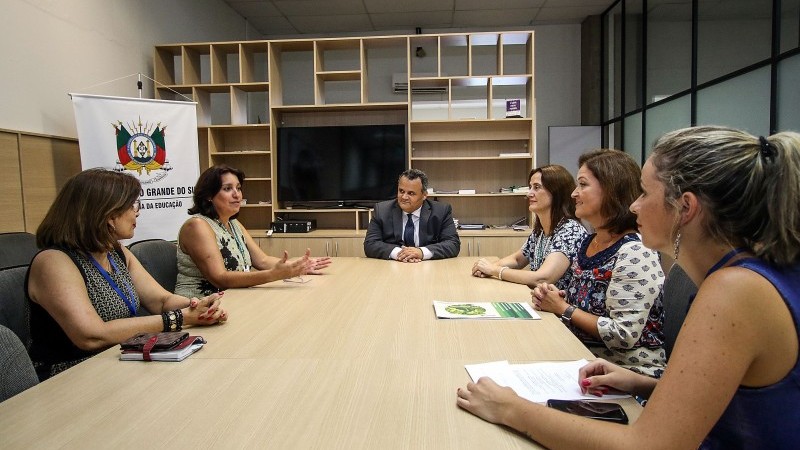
216,252
555,237
613,301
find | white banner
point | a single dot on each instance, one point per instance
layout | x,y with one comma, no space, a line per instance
153,140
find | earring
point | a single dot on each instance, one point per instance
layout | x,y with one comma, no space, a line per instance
676,246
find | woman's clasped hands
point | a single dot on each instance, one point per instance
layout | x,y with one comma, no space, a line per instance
547,297
483,268
205,311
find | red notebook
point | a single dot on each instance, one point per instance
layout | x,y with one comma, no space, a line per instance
176,353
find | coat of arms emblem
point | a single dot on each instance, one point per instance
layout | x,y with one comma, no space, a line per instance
142,148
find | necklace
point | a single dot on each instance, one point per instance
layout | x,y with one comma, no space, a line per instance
539,249
598,245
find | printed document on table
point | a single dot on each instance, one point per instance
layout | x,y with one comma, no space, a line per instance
537,382
484,310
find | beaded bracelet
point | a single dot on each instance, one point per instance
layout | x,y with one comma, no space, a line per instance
500,275
165,320
179,319
173,320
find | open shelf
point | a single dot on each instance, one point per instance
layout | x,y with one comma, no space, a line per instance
449,89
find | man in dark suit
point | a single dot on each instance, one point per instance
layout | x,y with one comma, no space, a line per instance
412,228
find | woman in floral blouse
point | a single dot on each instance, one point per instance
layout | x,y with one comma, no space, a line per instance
613,301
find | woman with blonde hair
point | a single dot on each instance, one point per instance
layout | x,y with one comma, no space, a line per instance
725,203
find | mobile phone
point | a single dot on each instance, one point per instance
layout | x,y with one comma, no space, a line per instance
611,412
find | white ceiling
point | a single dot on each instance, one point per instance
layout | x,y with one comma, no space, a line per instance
319,17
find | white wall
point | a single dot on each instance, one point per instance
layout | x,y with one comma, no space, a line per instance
557,75
52,47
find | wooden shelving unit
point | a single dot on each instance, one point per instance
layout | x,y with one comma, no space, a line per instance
451,93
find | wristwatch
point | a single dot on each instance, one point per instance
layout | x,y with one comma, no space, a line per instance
567,316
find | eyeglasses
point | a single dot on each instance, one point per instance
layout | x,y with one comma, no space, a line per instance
297,279
137,205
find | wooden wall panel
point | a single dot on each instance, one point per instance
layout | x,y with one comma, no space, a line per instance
46,163
13,216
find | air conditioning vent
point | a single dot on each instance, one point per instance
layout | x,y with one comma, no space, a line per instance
400,85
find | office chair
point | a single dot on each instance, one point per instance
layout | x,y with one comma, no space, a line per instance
160,259
17,248
16,369
678,288
14,309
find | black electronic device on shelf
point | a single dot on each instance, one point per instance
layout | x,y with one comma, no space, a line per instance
294,226
471,226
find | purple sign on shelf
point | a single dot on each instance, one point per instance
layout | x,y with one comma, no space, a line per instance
513,108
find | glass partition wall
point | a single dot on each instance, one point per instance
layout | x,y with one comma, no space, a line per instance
669,64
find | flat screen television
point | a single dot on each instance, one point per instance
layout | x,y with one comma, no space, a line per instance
349,165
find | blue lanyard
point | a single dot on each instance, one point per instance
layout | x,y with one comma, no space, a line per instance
128,302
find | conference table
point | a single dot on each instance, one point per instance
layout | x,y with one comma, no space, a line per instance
351,359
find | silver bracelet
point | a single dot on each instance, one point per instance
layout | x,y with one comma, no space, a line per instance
500,275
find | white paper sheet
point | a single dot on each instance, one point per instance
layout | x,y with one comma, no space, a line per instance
536,382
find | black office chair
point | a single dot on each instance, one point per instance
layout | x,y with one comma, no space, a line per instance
14,309
678,288
160,259
16,369
17,248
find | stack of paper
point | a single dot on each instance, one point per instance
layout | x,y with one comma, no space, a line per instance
537,382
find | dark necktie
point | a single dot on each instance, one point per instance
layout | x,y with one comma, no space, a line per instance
408,233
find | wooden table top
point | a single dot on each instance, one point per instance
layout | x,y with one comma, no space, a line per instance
354,358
